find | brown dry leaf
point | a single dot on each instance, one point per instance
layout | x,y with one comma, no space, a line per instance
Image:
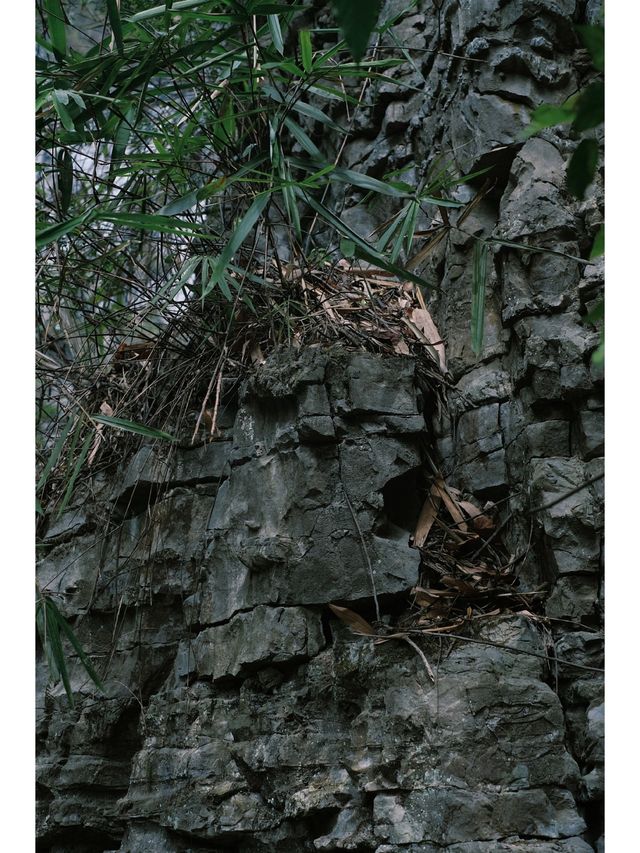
479,519
106,409
421,590
401,347
424,600
353,620
423,320
426,519
451,505
460,585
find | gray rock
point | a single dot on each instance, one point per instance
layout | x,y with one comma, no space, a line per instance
263,636
591,434
239,714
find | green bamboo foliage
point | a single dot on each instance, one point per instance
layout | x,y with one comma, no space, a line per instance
53,630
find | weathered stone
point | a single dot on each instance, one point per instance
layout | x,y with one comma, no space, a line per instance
254,729
548,438
591,434
375,386
263,636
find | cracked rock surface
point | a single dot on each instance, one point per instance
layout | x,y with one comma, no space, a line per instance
239,715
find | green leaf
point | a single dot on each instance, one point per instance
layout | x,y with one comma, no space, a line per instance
357,179
84,659
123,133
116,25
132,426
357,20
598,244
549,115
305,50
154,222
55,25
362,249
593,39
276,33
179,205
224,288
65,179
298,133
590,108
240,234
60,100
291,204
441,202
51,626
53,646
582,167
347,248
161,10
50,233
478,292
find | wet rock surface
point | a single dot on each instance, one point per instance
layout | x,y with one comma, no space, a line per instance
239,714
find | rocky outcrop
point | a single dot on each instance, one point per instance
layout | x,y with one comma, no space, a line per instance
239,714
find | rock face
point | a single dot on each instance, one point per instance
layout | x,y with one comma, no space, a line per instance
239,714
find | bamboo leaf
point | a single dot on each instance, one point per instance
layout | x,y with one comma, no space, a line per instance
362,249
179,205
241,233
365,182
55,25
304,37
113,11
84,659
122,135
298,133
50,233
60,100
65,179
276,33
479,285
55,652
154,222
132,426
357,20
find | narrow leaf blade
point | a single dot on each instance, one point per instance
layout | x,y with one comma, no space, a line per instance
132,426
305,50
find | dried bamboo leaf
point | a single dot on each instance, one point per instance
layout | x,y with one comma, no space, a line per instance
451,505
423,320
426,519
357,624
479,519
